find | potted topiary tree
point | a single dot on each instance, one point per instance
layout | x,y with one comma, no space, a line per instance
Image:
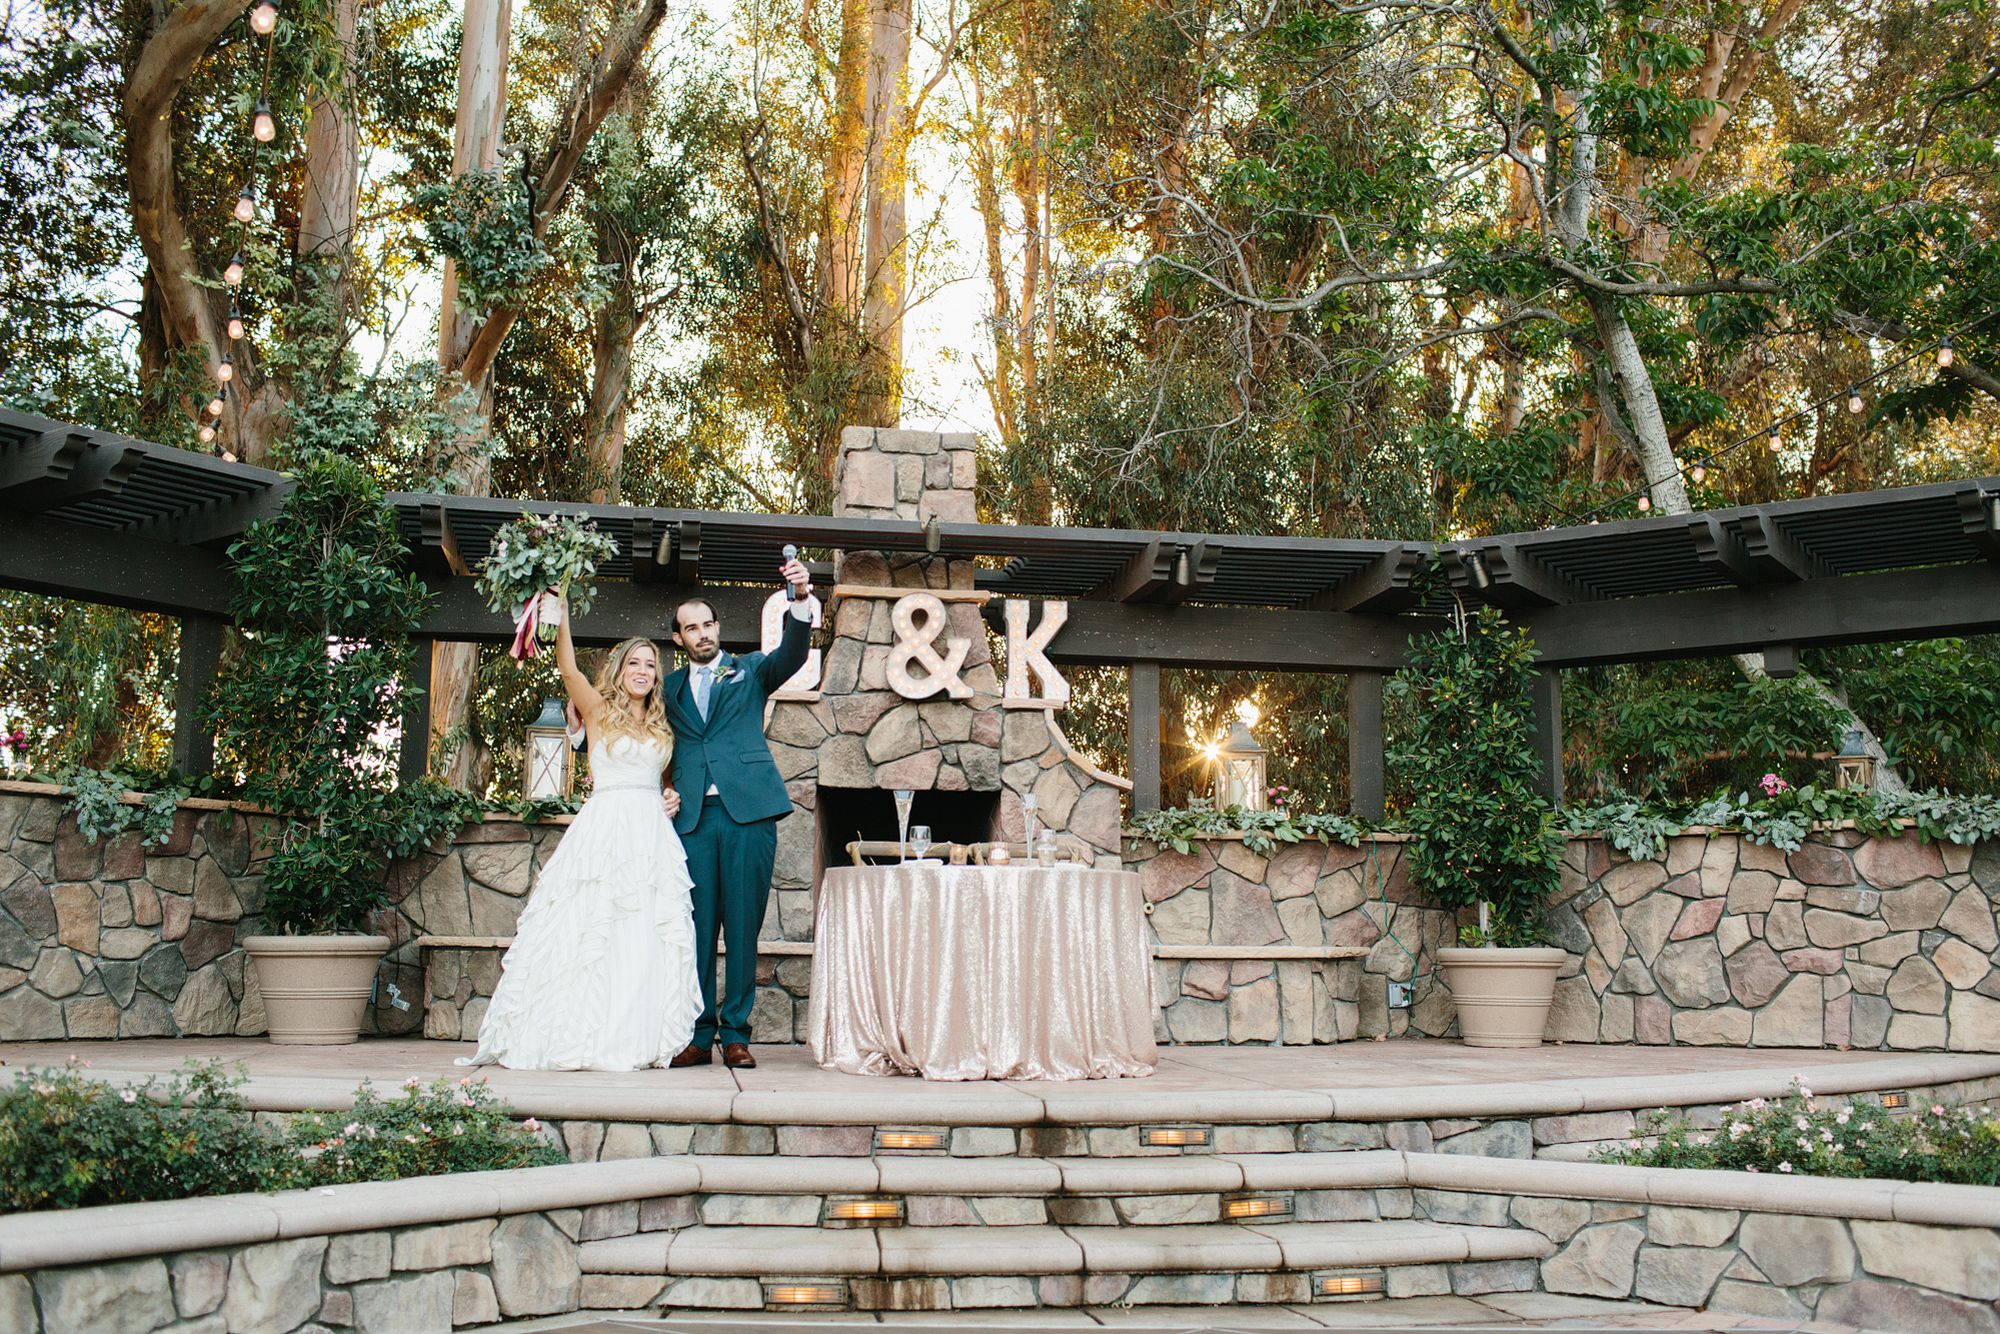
1484,837
302,709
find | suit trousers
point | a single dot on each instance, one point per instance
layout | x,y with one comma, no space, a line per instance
731,866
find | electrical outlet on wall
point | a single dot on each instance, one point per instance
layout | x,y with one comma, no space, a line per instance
1399,995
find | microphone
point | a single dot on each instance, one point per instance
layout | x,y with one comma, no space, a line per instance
791,589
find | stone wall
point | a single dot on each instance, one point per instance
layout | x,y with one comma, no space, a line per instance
1848,942
116,940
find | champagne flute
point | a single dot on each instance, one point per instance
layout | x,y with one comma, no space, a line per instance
904,796
920,839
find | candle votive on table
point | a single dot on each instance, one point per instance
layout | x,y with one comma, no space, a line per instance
1045,849
999,856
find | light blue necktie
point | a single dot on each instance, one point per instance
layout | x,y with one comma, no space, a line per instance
703,678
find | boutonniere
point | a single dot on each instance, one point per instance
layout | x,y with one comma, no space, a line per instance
726,669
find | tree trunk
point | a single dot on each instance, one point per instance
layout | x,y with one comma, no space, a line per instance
887,272
482,105
840,248
614,327
186,315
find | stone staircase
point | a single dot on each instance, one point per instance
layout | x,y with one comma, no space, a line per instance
933,1232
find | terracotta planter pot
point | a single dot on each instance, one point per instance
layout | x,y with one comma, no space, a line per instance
1503,994
315,987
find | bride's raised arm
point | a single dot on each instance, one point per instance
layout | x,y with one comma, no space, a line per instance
581,692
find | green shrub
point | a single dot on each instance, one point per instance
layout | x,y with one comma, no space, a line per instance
68,1141
1483,830
434,1128
1797,1135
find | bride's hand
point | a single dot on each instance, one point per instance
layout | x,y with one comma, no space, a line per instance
672,801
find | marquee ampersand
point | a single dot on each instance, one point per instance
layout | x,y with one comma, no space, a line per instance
913,643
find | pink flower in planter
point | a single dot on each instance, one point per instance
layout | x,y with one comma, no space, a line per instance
1773,785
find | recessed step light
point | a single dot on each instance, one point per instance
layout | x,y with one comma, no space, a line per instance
1347,1285
911,1141
1176,1137
805,1294
867,1212
1257,1206
1894,1100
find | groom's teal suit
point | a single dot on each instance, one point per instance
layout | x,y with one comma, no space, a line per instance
731,833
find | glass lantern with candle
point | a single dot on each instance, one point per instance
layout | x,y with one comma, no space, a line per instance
1240,764
548,763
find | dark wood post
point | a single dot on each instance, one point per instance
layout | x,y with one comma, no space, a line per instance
1365,787
414,760
200,656
1549,731
1142,734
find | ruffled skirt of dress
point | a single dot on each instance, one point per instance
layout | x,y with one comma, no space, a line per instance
601,975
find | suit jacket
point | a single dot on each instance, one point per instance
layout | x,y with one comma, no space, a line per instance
728,749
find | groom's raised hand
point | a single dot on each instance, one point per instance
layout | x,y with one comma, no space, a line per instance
795,573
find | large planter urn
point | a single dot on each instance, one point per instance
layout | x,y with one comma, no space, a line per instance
315,988
1503,995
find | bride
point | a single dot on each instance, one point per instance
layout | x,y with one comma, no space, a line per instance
601,975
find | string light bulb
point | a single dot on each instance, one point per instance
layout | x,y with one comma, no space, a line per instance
1777,441
228,457
215,404
1946,355
207,434
235,324
246,204
1645,504
233,275
264,126
1854,403
225,370
1698,473
264,18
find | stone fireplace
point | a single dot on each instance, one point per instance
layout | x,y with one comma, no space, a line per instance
846,741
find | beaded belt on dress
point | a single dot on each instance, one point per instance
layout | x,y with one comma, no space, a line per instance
627,787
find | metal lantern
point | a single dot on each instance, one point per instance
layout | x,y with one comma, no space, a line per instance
548,764
1239,764
1854,767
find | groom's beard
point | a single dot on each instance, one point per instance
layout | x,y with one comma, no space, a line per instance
703,654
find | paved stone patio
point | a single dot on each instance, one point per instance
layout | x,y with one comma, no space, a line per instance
1511,1312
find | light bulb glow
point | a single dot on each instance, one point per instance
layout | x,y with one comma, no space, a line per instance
234,273
264,18
1945,355
1854,400
207,434
1777,441
1699,473
1645,503
235,327
264,126
1248,713
215,406
228,457
225,371
246,204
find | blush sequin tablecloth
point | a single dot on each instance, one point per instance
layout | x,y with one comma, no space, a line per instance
982,972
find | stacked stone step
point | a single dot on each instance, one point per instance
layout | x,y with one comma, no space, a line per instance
990,1232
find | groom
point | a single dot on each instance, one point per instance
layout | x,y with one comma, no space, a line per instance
731,801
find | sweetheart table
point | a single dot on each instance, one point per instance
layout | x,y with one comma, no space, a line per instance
982,972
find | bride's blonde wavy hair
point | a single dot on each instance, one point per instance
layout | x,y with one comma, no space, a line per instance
618,701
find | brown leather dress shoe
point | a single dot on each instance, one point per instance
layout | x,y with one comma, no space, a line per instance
692,1055
736,1055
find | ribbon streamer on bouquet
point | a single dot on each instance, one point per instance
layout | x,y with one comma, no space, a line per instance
523,647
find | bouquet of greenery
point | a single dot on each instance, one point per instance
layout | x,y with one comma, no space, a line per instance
534,563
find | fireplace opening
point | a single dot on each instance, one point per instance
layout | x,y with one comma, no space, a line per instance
869,814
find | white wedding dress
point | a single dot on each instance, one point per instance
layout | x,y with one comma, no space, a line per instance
601,975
